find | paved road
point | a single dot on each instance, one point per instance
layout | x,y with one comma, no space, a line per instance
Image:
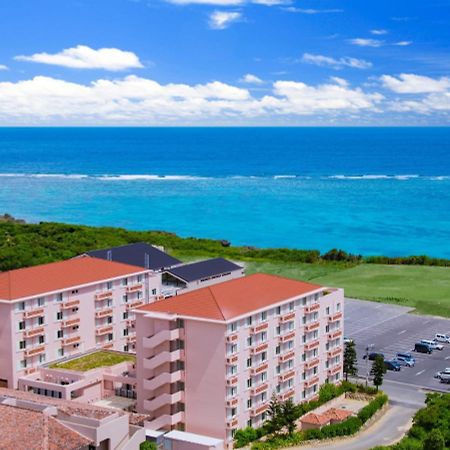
405,400
391,329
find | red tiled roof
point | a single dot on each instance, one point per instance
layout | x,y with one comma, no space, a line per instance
315,419
337,414
224,301
57,276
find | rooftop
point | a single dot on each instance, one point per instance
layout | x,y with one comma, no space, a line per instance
57,276
204,269
138,254
230,299
93,361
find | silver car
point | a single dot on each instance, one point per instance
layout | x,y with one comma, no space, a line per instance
432,344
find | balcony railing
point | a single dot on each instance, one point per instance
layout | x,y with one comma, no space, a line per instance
287,356
334,335
312,308
164,399
34,332
70,304
104,313
34,313
312,363
135,288
162,358
232,402
108,346
334,370
70,322
257,390
288,394
259,409
104,330
259,349
312,326
287,317
232,424
150,384
158,338
287,337
35,351
333,353
312,381
286,376
259,328
311,345
166,421
71,340
335,317
131,339
103,296
232,338
259,369
133,305
232,381
231,360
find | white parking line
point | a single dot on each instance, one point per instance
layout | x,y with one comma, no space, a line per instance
401,332
419,373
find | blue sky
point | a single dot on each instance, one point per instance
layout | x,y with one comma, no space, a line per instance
224,62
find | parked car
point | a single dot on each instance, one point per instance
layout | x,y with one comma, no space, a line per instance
391,364
404,362
373,355
406,358
443,373
442,338
434,345
420,347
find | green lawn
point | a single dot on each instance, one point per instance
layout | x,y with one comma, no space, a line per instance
422,287
93,360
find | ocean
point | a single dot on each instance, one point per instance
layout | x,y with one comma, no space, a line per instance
369,191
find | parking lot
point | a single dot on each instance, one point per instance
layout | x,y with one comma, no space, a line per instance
391,329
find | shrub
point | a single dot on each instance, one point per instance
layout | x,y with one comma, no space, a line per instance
368,411
245,436
327,392
147,445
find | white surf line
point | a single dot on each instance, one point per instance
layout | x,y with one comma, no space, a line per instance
421,372
401,332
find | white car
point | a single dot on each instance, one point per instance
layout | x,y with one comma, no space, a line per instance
442,338
443,374
432,344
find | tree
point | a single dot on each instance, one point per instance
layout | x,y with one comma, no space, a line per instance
274,423
289,415
147,445
434,441
350,360
378,371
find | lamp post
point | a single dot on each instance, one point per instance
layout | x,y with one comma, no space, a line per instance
368,347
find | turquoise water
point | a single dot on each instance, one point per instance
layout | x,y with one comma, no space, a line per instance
366,190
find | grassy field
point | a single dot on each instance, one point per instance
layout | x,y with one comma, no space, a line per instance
422,287
94,360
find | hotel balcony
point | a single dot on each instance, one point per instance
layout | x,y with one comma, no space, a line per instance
133,305
312,326
131,339
70,322
312,308
71,340
334,370
104,330
134,288
35,351
256,411
232,402
335,317
70,304
103,296
150,384
259,328
312,363
334,335
155,403
287,317
108,346
261,368
131,323
311,382
231,360
233,423
257,390
162,358
288,394
231,338
30,370
232,381
334,352
37,312
286,356
287,337
259,349
103,313
162,336
166,421
286,376
34,332
311,345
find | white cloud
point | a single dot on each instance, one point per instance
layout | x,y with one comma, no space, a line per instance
219,20
135,100
251,79
363,42
311,11
409,83
84,57
3,67
379,32
327,61
402,43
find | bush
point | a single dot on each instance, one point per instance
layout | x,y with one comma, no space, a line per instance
245,436
147,445
368,411
327,392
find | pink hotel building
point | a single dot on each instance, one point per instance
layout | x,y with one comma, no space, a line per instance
209,360
64,308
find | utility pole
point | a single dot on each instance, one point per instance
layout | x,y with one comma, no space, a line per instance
368,347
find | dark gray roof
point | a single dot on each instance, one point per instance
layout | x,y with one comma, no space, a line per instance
138,254
203,269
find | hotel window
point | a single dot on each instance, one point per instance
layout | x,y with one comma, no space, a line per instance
59,334
41,301
41,339
291,325
327,310
59,297
290,345
263,316
21,325
315,334
338,307
278,369
153,291
125,298
232,327
249,341
60,352
109,302
233,370
278,310
249,362
264,396
110,337
263,336
304,320
233,412
249,320
22,364
40,321
109,285
277,350
327,328
233,391
263,356
303,356
233,348
139,295
291,306
20,306
249,403
249,422
109,320
290,382
125,331
125,315
278,330
59,315
22,345
139,278
125,348
278,388
124,281
249,383
290,364
327,364
42,358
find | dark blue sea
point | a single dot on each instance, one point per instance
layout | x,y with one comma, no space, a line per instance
366,190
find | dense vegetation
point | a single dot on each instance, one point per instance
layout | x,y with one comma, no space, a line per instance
431,426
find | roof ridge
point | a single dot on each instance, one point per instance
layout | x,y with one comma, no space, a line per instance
216,302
